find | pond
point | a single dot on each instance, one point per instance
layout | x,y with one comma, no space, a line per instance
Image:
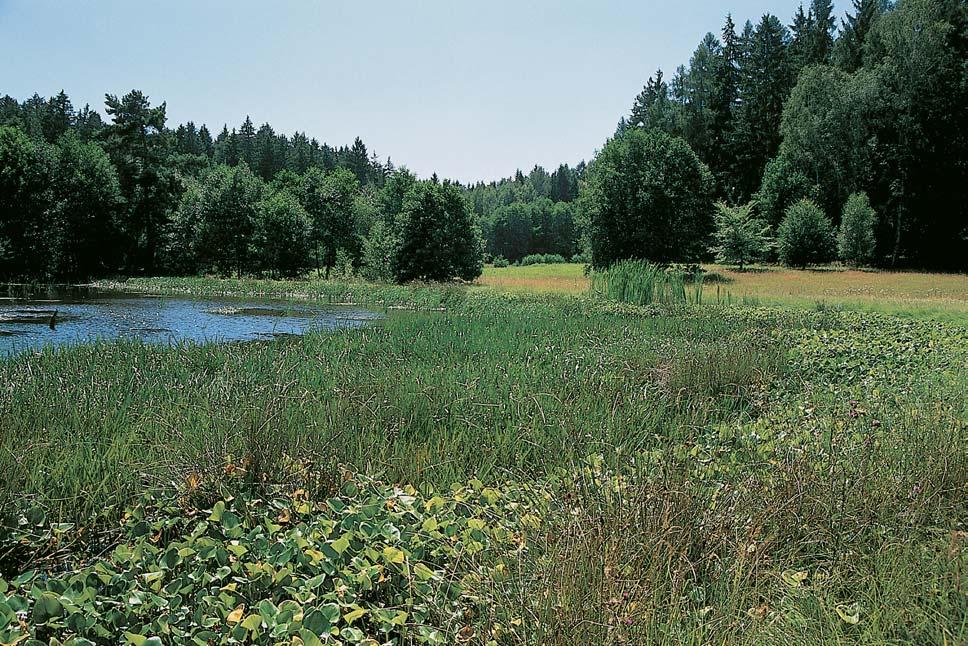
71,315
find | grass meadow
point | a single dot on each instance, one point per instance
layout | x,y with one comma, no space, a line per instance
912,294
515,462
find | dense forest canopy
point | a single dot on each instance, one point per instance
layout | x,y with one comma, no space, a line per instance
872,111
809,110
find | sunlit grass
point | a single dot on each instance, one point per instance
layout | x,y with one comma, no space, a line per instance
941,297
567,278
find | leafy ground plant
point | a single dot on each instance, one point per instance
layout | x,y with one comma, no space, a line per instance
372,564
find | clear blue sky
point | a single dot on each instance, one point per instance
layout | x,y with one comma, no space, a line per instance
472,90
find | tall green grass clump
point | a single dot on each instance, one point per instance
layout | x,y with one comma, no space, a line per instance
639,282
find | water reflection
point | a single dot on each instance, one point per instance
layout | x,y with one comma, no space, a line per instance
31,319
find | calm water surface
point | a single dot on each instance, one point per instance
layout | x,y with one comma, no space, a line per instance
28,320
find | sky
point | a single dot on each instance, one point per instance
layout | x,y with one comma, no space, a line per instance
470,90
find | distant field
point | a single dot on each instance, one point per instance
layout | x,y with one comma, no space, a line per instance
566,279
918,294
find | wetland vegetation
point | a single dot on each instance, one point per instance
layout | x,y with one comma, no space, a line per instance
519,468
703,389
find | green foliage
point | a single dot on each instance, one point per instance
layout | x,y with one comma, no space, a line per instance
826,132
25,172
437,238
329,200
379,248
740,236
782,187
224,208
281,237
542,259
369,561
87,204
639,282
136,142
806,236
510,230
855,240
648,196
501,262
777,449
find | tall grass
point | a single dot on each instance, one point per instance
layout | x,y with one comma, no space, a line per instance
496,391
640,282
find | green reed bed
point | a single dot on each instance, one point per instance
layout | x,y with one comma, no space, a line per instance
642,283
581,472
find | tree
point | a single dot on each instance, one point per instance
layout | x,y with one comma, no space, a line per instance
647,196
281,237
227,218
394,190
437,237
849,49
652,108
821,34
87,202
510,230
58,117
782,187
855,240
765,82
740,236
915,55
806,236
826,131
26,170
328,198
379,250
136,142
725,98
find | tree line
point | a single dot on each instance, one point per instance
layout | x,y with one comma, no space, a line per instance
780,114
529,215
81,198
800,143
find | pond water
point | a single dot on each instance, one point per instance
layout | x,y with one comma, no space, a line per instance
62,316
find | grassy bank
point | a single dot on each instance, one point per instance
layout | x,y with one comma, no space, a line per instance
513,470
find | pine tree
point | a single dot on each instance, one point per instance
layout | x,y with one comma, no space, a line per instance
58,117
766,84
206,145
652,108
822,23
849,48
246,142
137,143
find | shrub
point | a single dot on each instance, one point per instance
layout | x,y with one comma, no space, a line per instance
855,241
500,262
543,259
647,196
806,236
740,236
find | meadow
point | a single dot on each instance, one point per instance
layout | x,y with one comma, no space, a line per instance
515,462
911,294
